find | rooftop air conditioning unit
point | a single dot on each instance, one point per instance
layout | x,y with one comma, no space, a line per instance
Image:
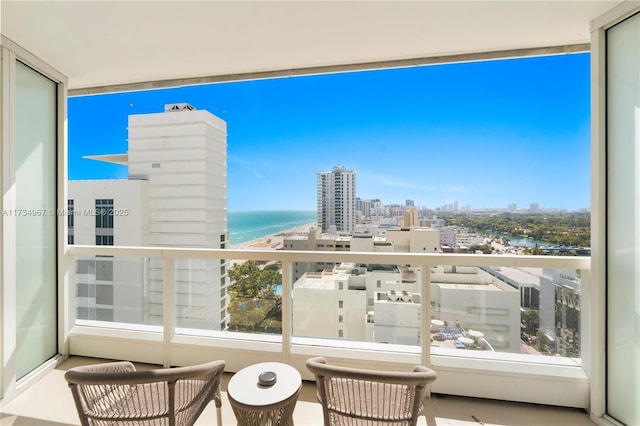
178,107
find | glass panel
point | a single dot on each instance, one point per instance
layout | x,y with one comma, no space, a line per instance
372,303
119,290
236,295
201,287
530,311
256,297
35,156
500,312
623,220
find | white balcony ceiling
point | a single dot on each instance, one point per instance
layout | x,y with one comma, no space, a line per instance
108,43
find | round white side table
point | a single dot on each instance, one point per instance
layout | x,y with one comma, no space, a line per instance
256,404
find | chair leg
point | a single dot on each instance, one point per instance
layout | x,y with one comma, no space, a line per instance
219,415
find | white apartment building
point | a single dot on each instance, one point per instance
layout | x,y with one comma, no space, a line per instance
337,199
525,280
465,295
448,234
343,310
347,294
381,303
396,318
110,212
175,195
433,222
468,239
369,239
476,300
367,229
414,240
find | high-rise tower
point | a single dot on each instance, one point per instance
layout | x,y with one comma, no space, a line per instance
175,195
337,199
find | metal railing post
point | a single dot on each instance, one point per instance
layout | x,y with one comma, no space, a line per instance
287,328
169,306
425,340
425,278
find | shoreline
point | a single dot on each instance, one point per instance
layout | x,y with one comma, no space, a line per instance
273,241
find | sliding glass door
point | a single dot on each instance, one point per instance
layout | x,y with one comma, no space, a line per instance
623,220
35,218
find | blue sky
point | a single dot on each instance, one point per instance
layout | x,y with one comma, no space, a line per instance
485,134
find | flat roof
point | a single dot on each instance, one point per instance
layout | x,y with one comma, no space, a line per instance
474,287
521,276
319,282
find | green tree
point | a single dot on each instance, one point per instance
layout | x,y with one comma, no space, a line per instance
245,278
273,315
570,229
254,304
484,248
251,279
531,321
535,251
541,342
270,277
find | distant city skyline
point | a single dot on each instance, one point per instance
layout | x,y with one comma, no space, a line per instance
485,134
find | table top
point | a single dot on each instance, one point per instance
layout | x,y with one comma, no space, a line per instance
244,388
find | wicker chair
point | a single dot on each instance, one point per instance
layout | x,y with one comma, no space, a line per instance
351,396
116,394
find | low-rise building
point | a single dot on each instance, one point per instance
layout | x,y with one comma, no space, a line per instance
368,239
468,297
560,310
396,317
381,303
343,312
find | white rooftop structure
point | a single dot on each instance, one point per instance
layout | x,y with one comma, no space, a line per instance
320,281
518,277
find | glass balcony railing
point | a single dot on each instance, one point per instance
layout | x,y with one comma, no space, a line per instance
494,326
502,307
497,309
119,291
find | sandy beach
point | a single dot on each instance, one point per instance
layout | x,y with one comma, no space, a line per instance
273,241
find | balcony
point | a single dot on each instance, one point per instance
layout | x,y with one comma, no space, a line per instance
497,366
81,59
36,406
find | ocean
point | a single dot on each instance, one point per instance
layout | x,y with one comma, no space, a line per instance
250,225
